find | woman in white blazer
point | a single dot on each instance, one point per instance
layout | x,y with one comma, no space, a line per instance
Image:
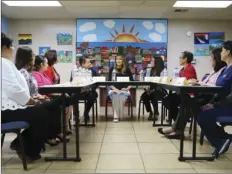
17,105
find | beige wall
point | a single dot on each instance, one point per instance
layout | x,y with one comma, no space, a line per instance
44,34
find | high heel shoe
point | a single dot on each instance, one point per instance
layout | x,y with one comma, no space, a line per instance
52,143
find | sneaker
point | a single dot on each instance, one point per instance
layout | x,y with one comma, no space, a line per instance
115,120
225,147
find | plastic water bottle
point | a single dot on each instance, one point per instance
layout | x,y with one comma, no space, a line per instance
113,75
175,73
74,74
141,76
165,73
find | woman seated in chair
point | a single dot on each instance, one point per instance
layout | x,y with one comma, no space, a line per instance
42,79
220,106
18,105
200,99
119,93
151,95
24,61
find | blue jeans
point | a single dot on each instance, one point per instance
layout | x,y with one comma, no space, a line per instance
207,121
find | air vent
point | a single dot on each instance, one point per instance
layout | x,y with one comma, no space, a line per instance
181,10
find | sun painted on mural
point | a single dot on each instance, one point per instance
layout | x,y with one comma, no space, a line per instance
124,36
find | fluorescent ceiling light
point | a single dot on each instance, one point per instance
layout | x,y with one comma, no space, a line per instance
202,4
33,3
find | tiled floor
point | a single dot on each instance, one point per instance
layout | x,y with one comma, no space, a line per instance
124,147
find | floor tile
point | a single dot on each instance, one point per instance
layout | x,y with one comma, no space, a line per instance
120,124
109,138
88,162
221,163
119,131
148,148
7,157
120,171
122,148
164,161
170,171
16,163
151,138
68,171
120,162
214,170
21,171
91,138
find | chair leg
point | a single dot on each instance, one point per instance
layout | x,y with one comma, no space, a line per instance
22,150
128,107
93,114
191,126
202,138
2,139
106,110
96,110
139,109
143,109
132,110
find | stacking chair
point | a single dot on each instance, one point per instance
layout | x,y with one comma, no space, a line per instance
15,127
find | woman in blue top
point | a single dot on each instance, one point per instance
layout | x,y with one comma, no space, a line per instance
220,106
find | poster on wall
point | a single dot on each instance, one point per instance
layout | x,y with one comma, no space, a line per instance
25,39
206,42
64,38
43,50
132,38
64,56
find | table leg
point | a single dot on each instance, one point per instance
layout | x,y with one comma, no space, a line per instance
65,158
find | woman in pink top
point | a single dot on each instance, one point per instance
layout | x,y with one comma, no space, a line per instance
40,67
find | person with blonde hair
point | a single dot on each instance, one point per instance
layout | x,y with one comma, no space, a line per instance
119,93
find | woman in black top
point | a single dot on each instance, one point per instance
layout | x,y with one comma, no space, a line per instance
149,95
119,93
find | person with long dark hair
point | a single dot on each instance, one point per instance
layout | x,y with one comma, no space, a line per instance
151,95
200,99
18,105
119,93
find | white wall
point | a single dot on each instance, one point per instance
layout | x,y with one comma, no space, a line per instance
44,34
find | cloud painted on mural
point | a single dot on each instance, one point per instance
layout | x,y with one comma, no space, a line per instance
159,27
90,38
155,37
121,30
88,26
109,23
148,25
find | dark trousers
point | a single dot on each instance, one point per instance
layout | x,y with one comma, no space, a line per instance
193,107
150,97
207,121
53,106
35,136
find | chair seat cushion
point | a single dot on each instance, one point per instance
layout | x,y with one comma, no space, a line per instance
13,126
224,119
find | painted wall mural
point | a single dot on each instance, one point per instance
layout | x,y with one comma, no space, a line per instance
139,40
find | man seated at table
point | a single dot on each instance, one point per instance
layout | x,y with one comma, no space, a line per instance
220,106
91,95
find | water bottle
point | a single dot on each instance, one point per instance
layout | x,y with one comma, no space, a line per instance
74,74
141,76
175,73
165,73
113,75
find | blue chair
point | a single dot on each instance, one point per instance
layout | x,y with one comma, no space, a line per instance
224,121
15,127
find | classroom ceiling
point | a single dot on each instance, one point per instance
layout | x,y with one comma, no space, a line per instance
114,9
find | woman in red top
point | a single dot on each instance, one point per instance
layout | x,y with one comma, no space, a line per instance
173,101
51,72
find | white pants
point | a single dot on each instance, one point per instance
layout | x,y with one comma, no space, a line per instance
118,100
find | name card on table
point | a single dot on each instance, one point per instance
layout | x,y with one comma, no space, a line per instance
123,79
165,80
152,79
99,79
180,81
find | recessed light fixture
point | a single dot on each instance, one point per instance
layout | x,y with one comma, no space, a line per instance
32,3
202,4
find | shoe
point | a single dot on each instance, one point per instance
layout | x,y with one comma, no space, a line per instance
115,120
52,143
225,147
150,116
62,139
173,136
160,130
68,133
